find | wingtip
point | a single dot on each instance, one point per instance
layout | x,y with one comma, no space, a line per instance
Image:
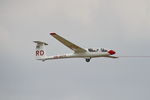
52,33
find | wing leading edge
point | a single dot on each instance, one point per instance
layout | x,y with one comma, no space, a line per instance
69,44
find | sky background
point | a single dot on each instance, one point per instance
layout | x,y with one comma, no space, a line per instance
121,25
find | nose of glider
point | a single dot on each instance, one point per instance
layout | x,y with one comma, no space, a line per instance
111,52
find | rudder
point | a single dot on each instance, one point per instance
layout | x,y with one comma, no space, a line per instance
40,52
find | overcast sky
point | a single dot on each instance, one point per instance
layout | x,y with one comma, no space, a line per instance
121,25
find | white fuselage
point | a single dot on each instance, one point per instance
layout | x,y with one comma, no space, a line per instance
80,55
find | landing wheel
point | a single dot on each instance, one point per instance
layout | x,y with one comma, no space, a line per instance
87,60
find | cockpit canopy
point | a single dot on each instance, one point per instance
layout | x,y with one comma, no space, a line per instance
93,50
104,50
96,50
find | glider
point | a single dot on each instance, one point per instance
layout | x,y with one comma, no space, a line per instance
79,52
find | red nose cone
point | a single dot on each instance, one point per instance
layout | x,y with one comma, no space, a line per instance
111,52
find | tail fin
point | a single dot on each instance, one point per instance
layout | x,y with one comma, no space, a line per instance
40,52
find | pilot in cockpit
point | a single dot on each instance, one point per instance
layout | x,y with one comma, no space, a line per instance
103,50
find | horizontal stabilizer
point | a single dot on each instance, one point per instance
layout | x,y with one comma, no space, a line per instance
39,42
